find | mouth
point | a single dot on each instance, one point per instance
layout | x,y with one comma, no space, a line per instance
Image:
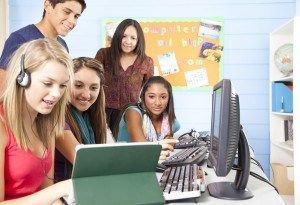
83,102
67,27
49,103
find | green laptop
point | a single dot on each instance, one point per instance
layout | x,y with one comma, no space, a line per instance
121,173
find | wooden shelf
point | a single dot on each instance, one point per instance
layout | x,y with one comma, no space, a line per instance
284,145
283,114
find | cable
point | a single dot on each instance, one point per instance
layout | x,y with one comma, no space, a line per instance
257,163
235,167
263,179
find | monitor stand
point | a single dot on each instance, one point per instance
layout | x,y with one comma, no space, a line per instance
236,190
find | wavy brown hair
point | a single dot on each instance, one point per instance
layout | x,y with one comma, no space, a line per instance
96,111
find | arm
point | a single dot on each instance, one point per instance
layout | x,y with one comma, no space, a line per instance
44,197
134,125
66,145
3,142
150,68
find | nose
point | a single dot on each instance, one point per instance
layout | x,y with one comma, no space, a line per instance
128,39
56,92
157,101
86,94
72,19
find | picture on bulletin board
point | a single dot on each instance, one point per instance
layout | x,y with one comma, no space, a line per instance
187,52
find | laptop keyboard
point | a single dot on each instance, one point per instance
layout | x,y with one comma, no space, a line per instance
182,182
192,155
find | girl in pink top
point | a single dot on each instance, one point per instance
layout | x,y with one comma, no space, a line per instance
32,110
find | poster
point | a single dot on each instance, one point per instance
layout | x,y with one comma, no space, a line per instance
187,52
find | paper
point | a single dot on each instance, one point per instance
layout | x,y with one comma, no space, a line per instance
196,78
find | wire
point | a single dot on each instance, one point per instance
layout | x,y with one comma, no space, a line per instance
235,167
257,163
263,179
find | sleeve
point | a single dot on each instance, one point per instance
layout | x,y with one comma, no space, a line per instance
11,45
100,56
150,68
67,126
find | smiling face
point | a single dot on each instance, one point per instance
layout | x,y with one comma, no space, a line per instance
156,99
129,40
85,89
48,83
63,17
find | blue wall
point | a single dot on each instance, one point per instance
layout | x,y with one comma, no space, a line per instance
246,51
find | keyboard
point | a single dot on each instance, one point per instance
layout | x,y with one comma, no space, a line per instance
182,182
187,143
193,139
193,155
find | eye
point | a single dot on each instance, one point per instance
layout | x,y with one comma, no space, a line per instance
63,86
94,88
133,38
47,84
151,96
78,85
67,11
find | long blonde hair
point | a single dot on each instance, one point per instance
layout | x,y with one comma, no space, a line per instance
36,53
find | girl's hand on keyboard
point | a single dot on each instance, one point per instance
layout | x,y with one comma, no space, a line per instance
164,154
168,144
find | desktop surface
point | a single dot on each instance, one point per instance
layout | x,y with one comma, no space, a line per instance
263,193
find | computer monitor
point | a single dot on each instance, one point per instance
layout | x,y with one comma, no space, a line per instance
227,141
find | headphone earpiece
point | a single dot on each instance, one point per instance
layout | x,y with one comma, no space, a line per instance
23,78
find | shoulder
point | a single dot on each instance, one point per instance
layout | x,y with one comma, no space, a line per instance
132,112
176,125
28,33
102,53
63,43
3,134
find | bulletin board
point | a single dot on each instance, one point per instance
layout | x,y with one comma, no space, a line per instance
187,52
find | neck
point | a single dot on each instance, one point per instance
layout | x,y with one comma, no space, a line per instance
29,114
45,28
156,118
129,54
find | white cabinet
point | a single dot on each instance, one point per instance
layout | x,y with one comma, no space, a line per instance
283,150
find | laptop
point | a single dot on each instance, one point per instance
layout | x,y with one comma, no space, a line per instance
122,173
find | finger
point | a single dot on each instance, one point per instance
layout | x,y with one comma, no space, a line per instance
166,146
170,141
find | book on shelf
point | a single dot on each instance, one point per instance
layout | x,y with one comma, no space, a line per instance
288,130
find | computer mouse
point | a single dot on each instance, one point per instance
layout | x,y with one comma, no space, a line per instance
160,167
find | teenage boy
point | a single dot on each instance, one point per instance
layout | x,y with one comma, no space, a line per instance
59,18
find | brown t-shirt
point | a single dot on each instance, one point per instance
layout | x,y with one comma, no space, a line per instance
125,88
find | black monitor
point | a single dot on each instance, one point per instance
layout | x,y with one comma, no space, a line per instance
228,141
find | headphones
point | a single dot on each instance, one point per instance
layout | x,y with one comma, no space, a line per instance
23,78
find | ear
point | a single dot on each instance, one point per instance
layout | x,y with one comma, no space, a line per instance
47,6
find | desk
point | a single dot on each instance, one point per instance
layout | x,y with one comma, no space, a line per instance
263,193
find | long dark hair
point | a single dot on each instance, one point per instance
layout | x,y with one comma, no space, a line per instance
97,110
141,103
116,44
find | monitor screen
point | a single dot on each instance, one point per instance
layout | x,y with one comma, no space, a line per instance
226,138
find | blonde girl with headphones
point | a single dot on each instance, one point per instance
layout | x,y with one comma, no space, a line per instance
32,115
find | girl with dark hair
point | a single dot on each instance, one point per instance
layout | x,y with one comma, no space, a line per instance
126,67
152,118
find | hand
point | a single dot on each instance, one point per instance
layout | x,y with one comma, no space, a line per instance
168,144
164,154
